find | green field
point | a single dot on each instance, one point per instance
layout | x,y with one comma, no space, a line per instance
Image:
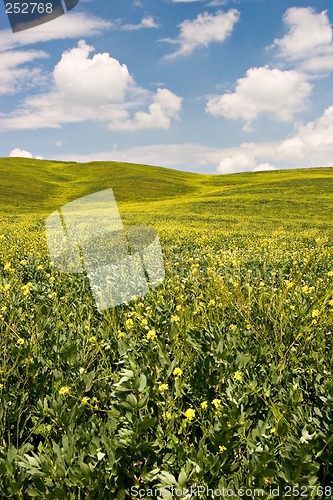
220,378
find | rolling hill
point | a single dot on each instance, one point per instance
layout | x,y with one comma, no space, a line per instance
261,201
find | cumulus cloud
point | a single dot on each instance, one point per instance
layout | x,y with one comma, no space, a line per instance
262,167
238,162
21,153
15,75
308,42
308,32
165,107
310,145
203,30
97,88
263,90
315,137
93,80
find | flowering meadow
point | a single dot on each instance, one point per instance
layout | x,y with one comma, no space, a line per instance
220,377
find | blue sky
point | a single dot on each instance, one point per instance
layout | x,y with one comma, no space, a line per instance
212,86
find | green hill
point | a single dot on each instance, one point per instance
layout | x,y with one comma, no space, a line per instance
272,200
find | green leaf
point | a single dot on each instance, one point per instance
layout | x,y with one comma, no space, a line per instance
167,479
143,382
182,478
39,485
143,401
131,399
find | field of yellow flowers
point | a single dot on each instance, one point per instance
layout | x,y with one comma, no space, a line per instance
219,378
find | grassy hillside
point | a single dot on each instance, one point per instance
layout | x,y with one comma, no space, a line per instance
264,200
41,186
221,377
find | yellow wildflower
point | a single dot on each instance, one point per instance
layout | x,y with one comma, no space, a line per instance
289,284
163,387
204,405
238,375
129,323
177,372
315,313
189,414
216,403
63,391
151,335
222,449
85,400
20,341
26,288
330,273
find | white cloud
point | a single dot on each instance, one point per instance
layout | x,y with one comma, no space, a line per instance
97,88
21,153
218,3
263,90
238,162
203,30
262,167
91,81
146,22
165,107
72,25
311,145
14,74
308,33
317,136
308,42
291,149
